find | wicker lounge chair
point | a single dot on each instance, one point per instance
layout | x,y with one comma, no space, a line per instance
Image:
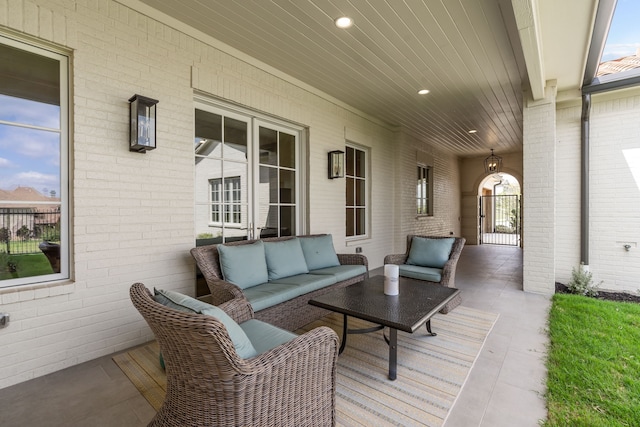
208,384
448,270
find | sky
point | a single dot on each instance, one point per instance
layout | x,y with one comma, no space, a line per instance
29,157
624,33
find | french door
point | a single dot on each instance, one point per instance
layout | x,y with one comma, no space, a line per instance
247,176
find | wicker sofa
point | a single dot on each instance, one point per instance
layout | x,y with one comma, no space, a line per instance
280,298
432,259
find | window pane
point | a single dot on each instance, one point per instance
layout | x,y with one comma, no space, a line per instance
351,227
235,138
268,185
287,150
360,222
351,195
287,221
268,146
349,161
360,164
287,186
360,192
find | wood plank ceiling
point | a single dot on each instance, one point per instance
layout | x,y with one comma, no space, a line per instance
466,52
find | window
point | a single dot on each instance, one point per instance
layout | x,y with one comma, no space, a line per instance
231,194
33,164
247,174
424,191
356,192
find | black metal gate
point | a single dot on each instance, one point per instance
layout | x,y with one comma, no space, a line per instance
500,220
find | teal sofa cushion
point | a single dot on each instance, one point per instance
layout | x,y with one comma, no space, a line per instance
264,336
421,273
185,303
305,283
270,294
244,265
285,289
319,252
427,252
341,272
284,258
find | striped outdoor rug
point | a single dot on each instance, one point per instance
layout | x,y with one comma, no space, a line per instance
431,370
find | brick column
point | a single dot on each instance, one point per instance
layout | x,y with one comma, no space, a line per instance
539,195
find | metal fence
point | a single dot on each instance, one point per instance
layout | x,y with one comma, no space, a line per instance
23,229
500,220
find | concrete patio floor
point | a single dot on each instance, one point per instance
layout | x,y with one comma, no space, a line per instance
505,387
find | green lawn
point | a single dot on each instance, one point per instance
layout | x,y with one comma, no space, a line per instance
28,265
594,363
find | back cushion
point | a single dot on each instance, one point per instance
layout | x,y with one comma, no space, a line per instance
427,252
185,303
319,252
285,259
244,265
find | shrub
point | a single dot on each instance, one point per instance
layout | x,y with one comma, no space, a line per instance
581,282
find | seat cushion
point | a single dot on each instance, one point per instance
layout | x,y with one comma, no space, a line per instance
421,273
341,272
285,258
187,304
264,336
305,283
428,252
244,265
270,294
319,252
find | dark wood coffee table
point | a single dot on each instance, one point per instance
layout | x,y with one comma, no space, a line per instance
413,307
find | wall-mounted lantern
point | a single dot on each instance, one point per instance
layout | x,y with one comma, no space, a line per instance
336,164
142,116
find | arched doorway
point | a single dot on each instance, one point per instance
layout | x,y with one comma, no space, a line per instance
499,210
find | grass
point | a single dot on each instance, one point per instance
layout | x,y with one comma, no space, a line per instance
594,363
28,265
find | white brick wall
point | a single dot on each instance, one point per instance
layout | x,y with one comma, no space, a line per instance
133,213
614,193
539,204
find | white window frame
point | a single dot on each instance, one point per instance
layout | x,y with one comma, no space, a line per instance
63,58
424,198
367,196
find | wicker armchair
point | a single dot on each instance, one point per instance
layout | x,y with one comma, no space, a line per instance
208,384
448,271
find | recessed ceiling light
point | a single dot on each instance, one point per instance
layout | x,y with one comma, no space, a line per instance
344,22
473,131
423,91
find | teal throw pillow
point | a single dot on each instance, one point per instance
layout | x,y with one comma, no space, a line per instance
319,252
185,303
241,341
427,252
244,265
285,259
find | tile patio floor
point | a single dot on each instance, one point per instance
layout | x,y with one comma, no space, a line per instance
505,387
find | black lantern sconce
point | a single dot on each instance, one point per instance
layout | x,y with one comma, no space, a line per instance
336,164
142,116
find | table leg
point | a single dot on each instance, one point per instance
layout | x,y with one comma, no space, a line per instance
393,353
433,334
344,334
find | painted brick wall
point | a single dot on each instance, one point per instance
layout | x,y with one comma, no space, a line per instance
568,191
538,211
446,193
133,213
615,190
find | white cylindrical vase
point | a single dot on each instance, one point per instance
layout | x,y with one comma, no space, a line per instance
391,274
